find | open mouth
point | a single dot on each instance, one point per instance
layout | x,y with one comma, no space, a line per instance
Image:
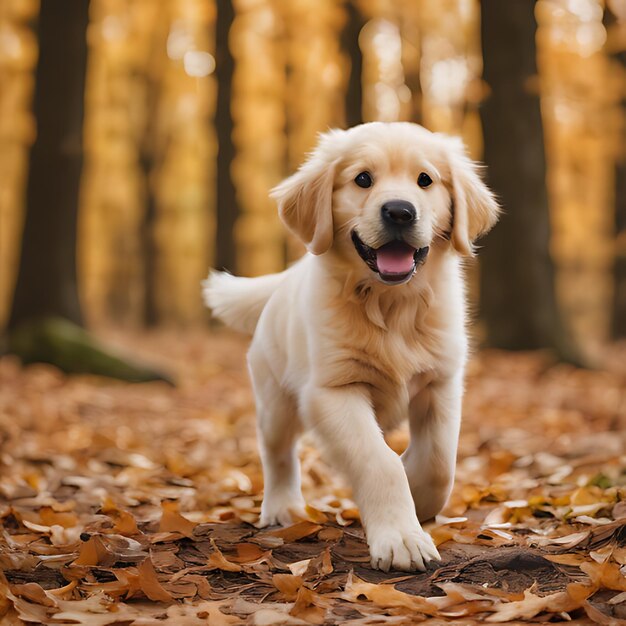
395,262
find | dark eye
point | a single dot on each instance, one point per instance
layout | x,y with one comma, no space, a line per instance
364,180
424,180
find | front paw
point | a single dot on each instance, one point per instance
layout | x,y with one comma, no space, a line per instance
405,549
283,511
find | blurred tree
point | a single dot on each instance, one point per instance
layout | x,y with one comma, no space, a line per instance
46,283
225,254
350,44
149,152
618,316
619,270
45,315
517,300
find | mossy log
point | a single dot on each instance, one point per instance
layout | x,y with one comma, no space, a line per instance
73,350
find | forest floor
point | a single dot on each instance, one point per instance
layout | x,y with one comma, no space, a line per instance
136,504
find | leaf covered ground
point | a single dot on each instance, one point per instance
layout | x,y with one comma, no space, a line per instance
136,504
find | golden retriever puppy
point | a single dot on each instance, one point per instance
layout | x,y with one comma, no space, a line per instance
368,328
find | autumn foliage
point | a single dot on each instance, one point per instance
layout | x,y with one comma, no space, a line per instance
136,503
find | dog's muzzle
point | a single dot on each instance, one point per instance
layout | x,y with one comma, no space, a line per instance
394,263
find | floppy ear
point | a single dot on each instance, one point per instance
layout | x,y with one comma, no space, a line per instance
305,201
474,207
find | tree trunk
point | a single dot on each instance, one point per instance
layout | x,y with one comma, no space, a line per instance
618,321
149,162
44,325
517,300
225,257
350,44
46,283
619,268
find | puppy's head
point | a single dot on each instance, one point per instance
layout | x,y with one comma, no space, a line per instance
383,194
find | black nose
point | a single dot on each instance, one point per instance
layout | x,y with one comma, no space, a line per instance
398,212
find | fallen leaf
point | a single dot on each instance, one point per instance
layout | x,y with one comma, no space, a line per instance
94,552
607,575
150,584
295,532
173,522
385,596
330,534
34,593
217,560
287,584
532,605
124,522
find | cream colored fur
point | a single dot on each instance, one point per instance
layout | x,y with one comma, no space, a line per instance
340,354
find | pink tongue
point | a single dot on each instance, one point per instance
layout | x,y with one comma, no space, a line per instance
395,258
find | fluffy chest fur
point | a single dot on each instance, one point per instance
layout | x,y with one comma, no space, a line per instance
384,338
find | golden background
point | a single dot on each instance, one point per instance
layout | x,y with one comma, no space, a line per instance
150,133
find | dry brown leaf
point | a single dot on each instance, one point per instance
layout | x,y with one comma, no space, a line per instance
385,596
203,586
217,560
34,593
299,567
330,534
267,613
129,583
61,592
565,542
173,522
566,559
96,610
607,575
50,517
184,588
30,612
287,584
309,606
150,584
94,552
296,531
601,618
320,565
124,522
532,605
248,553
315,515
208,613
619,510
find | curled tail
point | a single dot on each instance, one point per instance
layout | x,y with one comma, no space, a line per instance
237,301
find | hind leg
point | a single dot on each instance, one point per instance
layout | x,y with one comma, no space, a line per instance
278,429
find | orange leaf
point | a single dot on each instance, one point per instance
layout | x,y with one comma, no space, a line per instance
125,523
385,596
605,574
330,534
287,584
315,515
33,592
321,565
295,531
150,584
566,559
569,600
307,606
218,561
247,553
50,517
173,521
94,552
